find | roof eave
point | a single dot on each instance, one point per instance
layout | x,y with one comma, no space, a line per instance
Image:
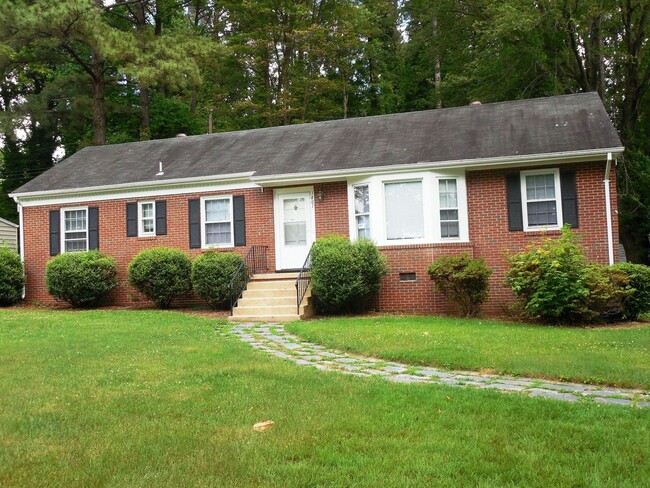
477,164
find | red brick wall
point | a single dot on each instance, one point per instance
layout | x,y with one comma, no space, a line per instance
488,230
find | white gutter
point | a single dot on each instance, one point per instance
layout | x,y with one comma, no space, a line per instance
608,210
480,163
144,185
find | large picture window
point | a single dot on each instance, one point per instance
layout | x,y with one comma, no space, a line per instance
217,222
404,210
75,230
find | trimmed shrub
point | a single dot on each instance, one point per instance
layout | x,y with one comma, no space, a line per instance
556,283
345,275
463,280
12,277
211,275
161,274
82,279
638,302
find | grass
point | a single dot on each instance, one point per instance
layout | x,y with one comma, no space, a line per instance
608,356
145,398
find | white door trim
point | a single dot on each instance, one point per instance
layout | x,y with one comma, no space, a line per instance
278,224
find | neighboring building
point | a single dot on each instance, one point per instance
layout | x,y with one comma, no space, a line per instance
8,235
487,179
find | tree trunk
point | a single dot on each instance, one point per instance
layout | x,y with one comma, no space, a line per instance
99,103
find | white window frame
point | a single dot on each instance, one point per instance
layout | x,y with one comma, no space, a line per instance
459,204
63,231
354,209
558,198
430,202
141,232
203,222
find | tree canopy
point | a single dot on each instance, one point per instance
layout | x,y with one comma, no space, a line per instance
83,72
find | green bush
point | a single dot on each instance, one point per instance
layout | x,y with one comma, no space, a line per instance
557,283
345,275
161,274
638,302
82,279
12,277
463,280
211,276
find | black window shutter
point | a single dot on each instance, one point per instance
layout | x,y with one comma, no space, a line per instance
239,220
161,217
93,228
195,223
569,198
131,219
513,193
55,232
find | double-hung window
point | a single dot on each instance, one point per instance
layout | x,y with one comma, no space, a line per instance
217,222
362,211
75,229
146,219
448,198
542,203
404,213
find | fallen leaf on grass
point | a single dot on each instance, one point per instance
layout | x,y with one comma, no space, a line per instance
263,425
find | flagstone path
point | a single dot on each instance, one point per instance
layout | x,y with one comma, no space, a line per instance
273,339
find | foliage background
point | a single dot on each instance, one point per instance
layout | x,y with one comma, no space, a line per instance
85,72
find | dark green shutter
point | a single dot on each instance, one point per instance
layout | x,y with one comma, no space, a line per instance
239,220
161,217
569,197
55,232
131,219
513,195
93,228
194,207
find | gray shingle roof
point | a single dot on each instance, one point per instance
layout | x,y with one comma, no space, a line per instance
526,127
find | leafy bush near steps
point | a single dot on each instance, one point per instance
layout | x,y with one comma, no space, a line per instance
557,284
345,275
161,274
12,277
211,276
463,281
639,280
82,279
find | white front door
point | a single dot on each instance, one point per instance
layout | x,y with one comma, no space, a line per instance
294,226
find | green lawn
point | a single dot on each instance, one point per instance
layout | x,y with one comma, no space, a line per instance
147,398
613,356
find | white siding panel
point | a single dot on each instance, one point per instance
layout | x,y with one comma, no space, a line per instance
8,236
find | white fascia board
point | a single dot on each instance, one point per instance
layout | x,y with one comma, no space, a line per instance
115,193
468,164
15,226
140,185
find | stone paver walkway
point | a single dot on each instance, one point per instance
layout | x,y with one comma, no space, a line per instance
273,339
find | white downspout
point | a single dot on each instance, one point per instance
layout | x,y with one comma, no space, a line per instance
608,210
21,231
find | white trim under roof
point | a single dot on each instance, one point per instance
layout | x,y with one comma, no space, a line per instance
15,226
478,164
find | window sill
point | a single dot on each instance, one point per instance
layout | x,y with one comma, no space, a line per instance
428,245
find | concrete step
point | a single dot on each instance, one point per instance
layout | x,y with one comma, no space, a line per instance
264,318
274,276
265,310
272,285
266,301
269,293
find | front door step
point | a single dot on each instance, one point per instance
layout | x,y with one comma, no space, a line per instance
271,297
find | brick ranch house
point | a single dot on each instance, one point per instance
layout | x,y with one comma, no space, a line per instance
483,179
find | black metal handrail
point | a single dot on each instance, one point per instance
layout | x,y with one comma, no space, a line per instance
303,280
254,262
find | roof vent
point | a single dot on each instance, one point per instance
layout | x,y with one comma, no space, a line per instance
160,170
475,103
180,134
